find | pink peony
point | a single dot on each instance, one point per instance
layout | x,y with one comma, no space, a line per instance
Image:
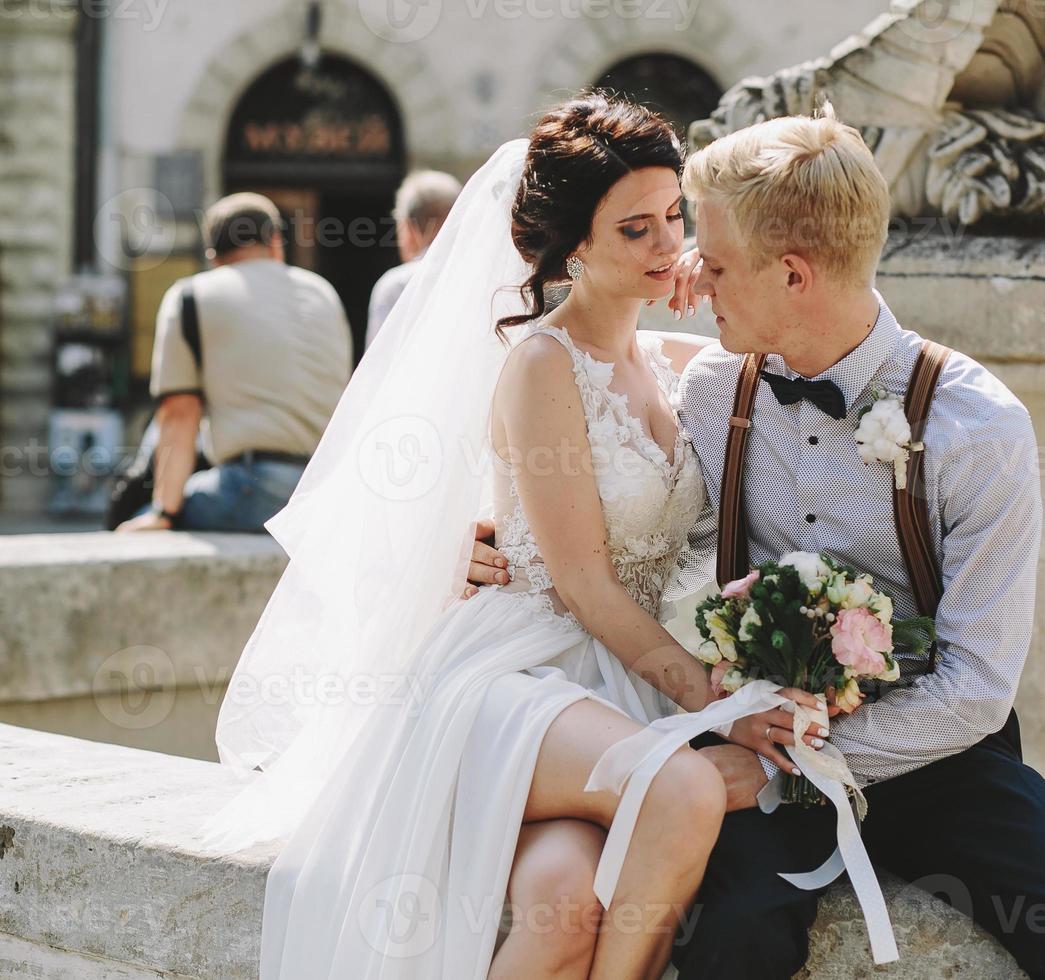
741,588
860,640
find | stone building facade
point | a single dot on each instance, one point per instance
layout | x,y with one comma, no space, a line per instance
179,82
37,132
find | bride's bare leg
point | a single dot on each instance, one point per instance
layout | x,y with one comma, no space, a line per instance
554,910
676,829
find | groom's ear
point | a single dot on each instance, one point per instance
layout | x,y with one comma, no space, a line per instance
798,272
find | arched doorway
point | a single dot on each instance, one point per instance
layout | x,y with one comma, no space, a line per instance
326,144
670,84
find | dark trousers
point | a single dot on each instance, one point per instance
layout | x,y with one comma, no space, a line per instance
970,828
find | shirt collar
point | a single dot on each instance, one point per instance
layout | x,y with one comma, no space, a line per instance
853,373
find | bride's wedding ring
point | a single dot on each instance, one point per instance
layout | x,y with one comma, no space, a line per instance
769,733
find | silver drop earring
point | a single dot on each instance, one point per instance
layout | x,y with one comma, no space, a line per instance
574,267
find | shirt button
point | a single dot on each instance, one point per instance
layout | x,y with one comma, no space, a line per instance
813,441
811,518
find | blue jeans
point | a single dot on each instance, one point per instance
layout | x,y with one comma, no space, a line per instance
237,496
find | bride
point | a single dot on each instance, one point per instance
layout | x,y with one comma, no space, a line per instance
430,760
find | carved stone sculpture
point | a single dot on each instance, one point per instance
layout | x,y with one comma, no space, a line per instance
949,94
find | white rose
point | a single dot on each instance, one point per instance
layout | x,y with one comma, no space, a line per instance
748,622
708,653
857,594
810,567
883,607
891,673
836,589
733,680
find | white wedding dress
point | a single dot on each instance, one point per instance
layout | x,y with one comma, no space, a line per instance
399,870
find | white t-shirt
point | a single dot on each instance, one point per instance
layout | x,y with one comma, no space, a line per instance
277,354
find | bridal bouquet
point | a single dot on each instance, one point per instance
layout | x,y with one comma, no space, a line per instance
806,622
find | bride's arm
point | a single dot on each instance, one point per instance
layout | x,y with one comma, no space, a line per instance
538,408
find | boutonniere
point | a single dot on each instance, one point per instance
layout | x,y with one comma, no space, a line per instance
884,435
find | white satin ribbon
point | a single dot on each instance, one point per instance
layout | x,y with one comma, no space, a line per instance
637,759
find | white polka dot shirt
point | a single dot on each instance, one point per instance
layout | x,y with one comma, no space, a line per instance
808,490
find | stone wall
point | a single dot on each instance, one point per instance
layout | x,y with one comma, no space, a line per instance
37,133
101,879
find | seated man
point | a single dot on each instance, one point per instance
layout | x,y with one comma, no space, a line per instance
263,351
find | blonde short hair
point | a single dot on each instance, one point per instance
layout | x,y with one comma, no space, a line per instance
799,184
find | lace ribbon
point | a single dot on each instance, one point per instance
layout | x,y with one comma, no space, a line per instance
636,760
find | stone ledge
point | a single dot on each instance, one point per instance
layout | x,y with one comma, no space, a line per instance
86,604
98,859
98,866
982,295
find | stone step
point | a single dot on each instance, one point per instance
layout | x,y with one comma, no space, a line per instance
100,879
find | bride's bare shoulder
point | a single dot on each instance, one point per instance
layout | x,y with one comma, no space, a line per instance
537,367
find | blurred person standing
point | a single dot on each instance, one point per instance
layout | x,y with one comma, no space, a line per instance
423,202
258,350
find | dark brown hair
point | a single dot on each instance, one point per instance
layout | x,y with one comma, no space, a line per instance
577,152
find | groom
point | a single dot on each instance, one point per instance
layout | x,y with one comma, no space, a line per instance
791,220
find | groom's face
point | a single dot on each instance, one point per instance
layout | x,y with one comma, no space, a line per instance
750,305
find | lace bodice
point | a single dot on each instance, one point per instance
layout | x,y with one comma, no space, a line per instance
649,501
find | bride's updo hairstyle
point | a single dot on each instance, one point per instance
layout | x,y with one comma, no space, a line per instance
577,152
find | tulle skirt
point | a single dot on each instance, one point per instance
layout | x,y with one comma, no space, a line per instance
399,869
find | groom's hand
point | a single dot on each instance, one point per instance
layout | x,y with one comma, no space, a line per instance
488,566
742,772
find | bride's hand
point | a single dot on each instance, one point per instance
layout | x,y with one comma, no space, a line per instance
488,566
685,300
768,730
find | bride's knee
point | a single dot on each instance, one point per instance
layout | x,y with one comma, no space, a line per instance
687,798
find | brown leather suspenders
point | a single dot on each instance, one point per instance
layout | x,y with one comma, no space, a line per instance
732,520
909,505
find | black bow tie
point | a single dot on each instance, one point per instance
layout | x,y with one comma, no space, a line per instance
826,395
